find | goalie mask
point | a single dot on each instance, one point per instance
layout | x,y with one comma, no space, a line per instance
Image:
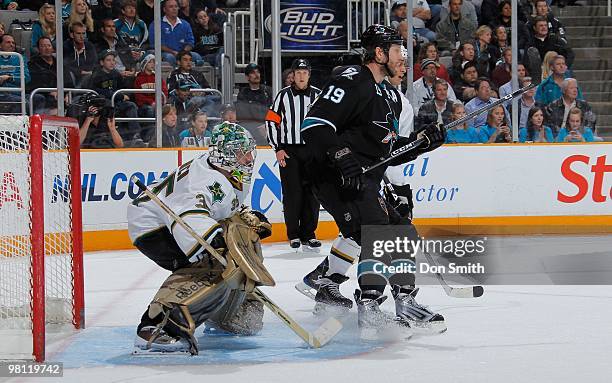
232,150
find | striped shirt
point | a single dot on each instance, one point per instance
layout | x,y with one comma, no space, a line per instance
286,114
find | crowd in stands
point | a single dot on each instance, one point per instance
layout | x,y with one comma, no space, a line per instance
108,47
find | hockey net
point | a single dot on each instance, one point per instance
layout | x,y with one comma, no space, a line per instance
41,280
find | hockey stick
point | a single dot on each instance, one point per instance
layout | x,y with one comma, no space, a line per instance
315,339
455,292
419,141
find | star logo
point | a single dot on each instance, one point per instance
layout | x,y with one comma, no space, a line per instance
217,192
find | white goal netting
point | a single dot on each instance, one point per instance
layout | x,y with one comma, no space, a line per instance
20,219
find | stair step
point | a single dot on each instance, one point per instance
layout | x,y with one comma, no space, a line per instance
592,74
584,64
601,108
595,86
589,42
573,32
604,120
582,21
593,53
604,132
597,96
594,10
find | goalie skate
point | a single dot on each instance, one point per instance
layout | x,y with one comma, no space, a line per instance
148,342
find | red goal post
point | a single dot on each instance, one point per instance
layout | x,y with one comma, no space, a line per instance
41,248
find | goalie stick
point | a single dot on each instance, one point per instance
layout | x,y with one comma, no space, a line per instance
315,339
419,141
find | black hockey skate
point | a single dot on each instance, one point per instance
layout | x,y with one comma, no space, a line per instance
312,245
374,323
329,299
295,244
310,283
409,312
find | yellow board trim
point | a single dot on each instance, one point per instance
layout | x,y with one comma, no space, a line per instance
591,224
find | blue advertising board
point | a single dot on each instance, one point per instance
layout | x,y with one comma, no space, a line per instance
309,25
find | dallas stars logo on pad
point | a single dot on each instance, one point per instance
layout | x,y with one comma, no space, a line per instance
217,192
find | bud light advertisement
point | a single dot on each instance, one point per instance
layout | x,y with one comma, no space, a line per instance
309,25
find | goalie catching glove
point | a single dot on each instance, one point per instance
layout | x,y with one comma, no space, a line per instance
257,221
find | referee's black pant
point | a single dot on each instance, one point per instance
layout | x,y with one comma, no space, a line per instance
300,207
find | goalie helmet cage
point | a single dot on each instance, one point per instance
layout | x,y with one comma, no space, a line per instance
41,252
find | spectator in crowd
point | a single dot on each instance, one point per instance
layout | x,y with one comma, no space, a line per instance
417,40
106,80
126,60
398,12
437,110
106,9
525,103
195,134
176,34
79,55
98,131
9,5
145,10
506,88
550,89
44,26
461,134
547,64
483,97
186,12
66,10
228,113
545,42
423,87
503,71
465,86
504,17
2,29
429,51
496,128
43,69
465,53
557,111
10,75
489,11
183,99
574,130
255,98
80,13
486,54
185,73
131,29
500,39
208,38
554,25
287,77
421,13
145,79
535,131
454,28
170,129
467,10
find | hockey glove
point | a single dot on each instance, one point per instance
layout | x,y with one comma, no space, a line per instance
350,169
400,198
435,134
257,221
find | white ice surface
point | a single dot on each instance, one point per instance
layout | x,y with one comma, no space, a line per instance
511,334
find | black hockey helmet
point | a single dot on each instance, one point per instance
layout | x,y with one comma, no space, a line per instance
377,35
300,64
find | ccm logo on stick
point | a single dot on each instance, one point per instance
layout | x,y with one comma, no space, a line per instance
599,170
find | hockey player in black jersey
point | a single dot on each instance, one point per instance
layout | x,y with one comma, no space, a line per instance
354,124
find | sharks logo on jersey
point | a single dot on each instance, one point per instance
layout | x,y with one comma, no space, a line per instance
349,73
391,124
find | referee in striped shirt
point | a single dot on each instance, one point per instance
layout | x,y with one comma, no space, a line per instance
283,120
